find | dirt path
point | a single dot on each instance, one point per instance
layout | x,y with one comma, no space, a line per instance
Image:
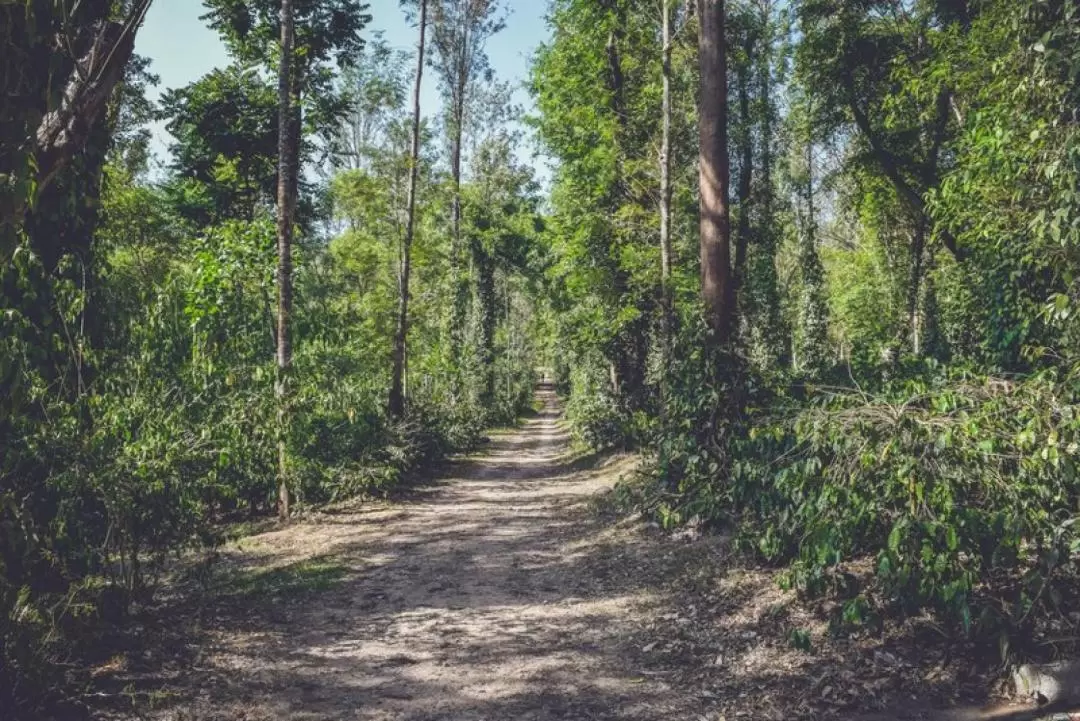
491,596
500,594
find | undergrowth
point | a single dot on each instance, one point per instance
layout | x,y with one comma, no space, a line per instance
960,489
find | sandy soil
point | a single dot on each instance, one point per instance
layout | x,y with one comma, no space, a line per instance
501,593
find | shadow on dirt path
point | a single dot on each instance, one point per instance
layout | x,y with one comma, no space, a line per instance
488,595
499,594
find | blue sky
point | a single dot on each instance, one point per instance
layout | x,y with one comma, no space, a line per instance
183,49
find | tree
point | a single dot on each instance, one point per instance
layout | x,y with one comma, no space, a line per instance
811,347
872,68
665,186
500,220
288,151
328,31
327,36
760,294
717,289
460,30
377,89
599,86
85,51
397,379
225,156
305,37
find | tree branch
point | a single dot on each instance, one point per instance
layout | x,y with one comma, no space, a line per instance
890,166
64,131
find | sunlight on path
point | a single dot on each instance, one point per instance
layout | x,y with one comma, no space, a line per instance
497,594
489,597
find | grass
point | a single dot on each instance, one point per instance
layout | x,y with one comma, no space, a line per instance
296,579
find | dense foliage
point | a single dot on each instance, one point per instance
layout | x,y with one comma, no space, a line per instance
882,398
137,312
895,416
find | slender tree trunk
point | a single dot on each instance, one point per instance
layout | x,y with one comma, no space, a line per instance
811,210
918,244
287,178
459,127
714,173
397,383
457,252
665,190
509,343
766,195
811,347
455,174
772,337
746,172
459,285
486,310
625,353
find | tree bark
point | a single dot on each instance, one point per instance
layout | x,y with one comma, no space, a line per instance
625,350
665,172
287,179
665,188
484,268
455,173
397,383
918,245
65,130
714,173
457,253
765,197
746,171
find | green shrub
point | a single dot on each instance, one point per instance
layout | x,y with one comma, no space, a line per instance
962,490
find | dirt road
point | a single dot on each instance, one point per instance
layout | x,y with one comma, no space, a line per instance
499,594
491,596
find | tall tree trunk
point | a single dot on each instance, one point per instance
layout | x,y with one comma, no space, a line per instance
455,176
714,173
746,170
665,191
459,280
485,308
766,195
770,338
811,209
625,352
509,342
918,245
811,349
287,179
397,383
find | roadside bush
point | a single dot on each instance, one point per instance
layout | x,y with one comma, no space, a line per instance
961,489
174,433
597,421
